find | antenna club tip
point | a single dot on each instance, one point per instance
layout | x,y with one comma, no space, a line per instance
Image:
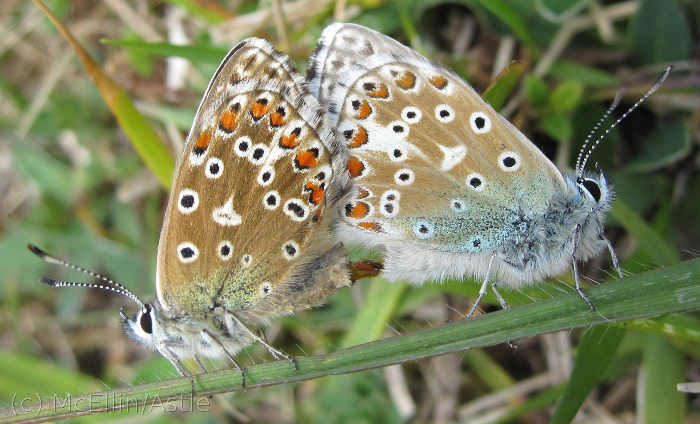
36,250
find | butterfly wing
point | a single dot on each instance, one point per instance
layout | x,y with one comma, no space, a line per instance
245,227
444,181
340,47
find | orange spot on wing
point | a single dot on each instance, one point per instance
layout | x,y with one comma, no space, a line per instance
360,210
259,109
362,108
289,141
438,81
406,81
202,143
359,138
307,159
355,166
277,119
317,192
371,226
362,193
381,92
228,121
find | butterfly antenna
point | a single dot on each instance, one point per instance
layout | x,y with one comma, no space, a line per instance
111,284
613,106
651,91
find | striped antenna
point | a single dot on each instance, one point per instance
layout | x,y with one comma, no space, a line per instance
651,91
111,284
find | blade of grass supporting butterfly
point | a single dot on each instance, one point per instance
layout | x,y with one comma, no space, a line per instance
594,353
661,291
500,88
142,136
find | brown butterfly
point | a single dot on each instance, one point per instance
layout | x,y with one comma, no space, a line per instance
246,232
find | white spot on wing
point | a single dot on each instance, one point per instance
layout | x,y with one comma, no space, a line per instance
225,215
453,156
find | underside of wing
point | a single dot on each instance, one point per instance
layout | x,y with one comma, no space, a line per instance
341,46
435,165
247,207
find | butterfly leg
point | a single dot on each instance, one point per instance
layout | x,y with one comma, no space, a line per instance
211,337
577,276
202,368
170,356
274,351
484,287
613,255
500,298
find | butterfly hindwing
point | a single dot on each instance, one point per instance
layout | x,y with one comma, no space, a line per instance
443,181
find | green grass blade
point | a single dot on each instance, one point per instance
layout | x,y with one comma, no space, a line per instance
663,367
655,246
197,54
662,291
142,136
595,351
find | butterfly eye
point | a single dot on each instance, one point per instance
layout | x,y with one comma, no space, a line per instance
258,154
266,175
146,320
265,289
593,189
397,154
296,209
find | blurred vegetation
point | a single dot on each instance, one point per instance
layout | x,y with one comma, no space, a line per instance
71,182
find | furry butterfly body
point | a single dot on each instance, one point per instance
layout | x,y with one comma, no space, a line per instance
445,185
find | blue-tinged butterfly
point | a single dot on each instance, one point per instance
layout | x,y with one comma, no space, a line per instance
445,185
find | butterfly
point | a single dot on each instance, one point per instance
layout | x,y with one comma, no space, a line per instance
444,185
246,233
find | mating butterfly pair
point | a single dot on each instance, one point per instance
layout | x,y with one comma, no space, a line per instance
387,150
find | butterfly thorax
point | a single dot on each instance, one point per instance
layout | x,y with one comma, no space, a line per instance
177,334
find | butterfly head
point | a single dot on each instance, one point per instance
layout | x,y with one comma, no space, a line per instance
145,328
596,188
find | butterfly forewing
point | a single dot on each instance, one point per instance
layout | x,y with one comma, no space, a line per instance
250,191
